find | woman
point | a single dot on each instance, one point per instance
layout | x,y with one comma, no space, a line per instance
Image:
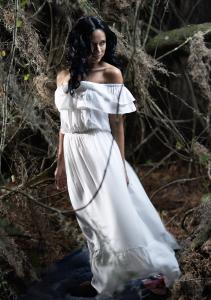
124,233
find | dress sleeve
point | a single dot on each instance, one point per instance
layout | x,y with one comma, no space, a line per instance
61,101
123,99
62,98
107,98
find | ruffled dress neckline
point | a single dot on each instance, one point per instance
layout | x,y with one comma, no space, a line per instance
104,97
87,82
92,82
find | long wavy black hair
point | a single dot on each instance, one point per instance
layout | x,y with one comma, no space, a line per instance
79,48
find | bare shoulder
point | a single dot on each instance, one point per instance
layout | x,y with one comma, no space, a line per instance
62,77
113,74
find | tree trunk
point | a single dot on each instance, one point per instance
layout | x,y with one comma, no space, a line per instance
174,38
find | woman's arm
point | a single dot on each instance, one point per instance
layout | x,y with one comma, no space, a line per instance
60,173
114,75
60,152
117,130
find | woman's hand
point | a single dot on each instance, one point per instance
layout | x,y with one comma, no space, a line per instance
60,176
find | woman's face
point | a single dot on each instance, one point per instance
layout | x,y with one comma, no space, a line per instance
98,46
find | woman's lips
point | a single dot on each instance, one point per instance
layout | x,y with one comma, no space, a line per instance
96,56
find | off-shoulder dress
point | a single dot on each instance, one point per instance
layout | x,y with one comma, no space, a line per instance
124,233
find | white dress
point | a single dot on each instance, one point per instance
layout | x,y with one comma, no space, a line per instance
125,235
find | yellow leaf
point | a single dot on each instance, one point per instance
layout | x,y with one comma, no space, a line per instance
19,23
26,77
2,53
178,145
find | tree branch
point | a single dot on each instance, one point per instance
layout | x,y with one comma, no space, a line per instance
174,38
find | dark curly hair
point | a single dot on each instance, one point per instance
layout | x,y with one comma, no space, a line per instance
79,48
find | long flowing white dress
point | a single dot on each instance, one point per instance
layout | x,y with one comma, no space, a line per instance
125,235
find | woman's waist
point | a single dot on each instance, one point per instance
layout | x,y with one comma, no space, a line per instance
84,122
86,131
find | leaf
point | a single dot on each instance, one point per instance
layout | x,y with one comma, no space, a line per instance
148,162
204,158
23,3
26,77
2,53
206,198
179,145
19,23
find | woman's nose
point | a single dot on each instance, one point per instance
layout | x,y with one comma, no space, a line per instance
97,48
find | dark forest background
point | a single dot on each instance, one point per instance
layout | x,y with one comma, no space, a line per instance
165,51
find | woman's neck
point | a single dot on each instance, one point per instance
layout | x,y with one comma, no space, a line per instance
96,67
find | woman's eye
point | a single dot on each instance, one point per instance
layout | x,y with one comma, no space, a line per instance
102,43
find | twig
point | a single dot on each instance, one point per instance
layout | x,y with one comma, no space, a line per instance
197,113
165,140
172,219
5,97
175,49
182,180
150,22
177,14
36,180
137,148
152,28
53,209
51,34
165,10
54,195
192,10
38,11
61,57
159,164
190,211
194,100
137,13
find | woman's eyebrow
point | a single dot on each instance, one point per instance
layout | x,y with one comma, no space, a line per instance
99,41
